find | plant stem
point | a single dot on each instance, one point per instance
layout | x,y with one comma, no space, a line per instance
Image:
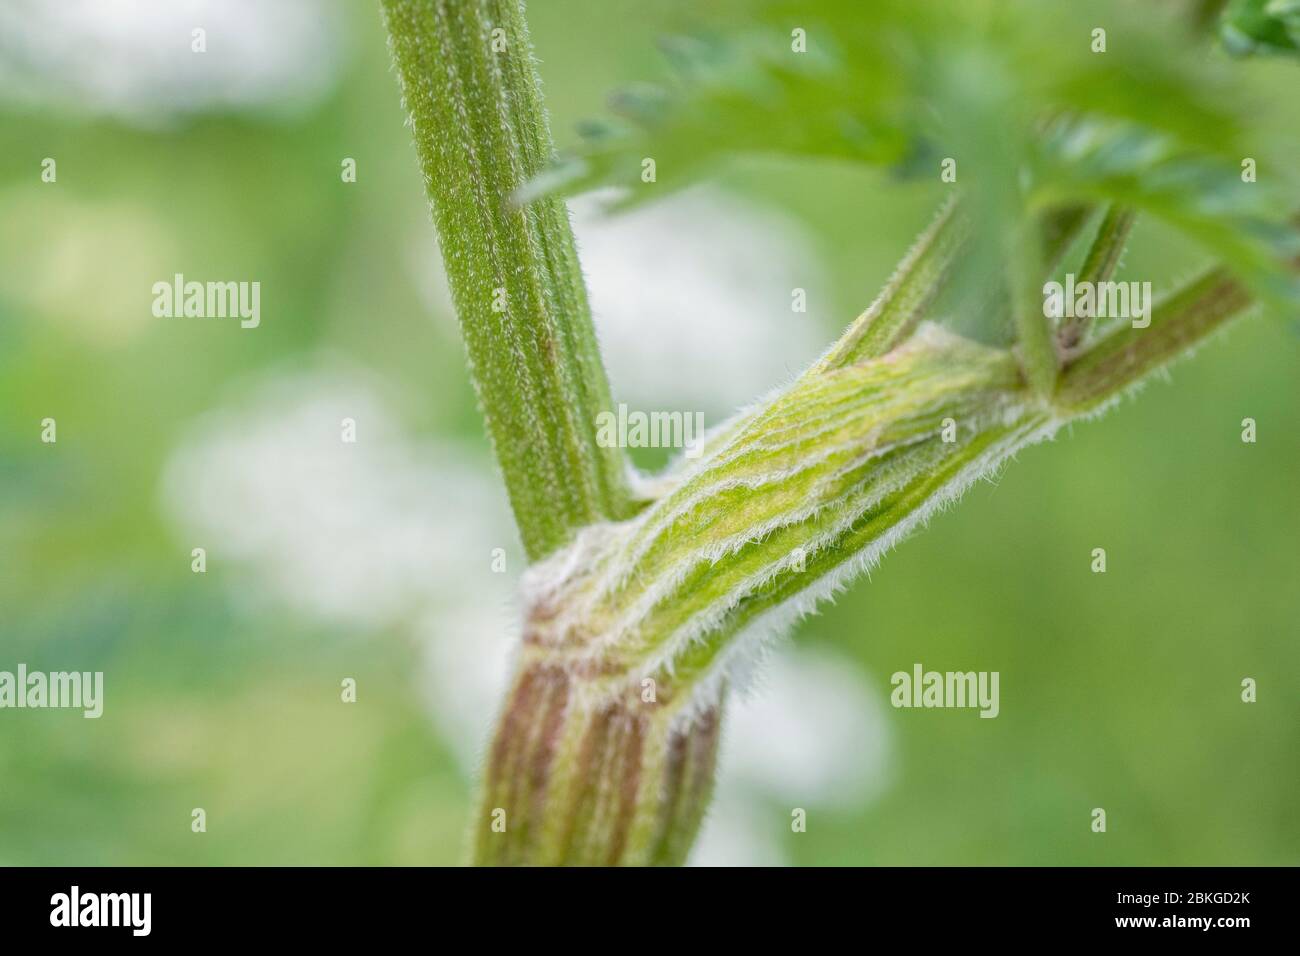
1107,248
472,92
914,285
802,494
585,768
1036,341
580,775
1059,228
1098,266
1179,321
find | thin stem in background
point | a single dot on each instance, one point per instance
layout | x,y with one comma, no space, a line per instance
1098,266
1034,332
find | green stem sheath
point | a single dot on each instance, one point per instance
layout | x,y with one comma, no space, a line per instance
586,768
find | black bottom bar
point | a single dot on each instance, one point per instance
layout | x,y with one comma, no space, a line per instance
369,905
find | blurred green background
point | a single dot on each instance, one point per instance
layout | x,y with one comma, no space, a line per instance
1119,691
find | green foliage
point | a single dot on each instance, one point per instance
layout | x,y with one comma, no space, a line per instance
1034,114
1261,26
1242,223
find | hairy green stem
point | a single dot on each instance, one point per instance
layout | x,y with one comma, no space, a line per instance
633,633
1179,321
1108,246
1098,266
1035,335
913,286
1059,228
471,89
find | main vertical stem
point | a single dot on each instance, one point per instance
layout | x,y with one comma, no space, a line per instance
471,89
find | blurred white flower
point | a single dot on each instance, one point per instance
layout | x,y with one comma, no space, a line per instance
812,733
692,297
366,535
739,832
361,535
65,252
133,59
469,650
